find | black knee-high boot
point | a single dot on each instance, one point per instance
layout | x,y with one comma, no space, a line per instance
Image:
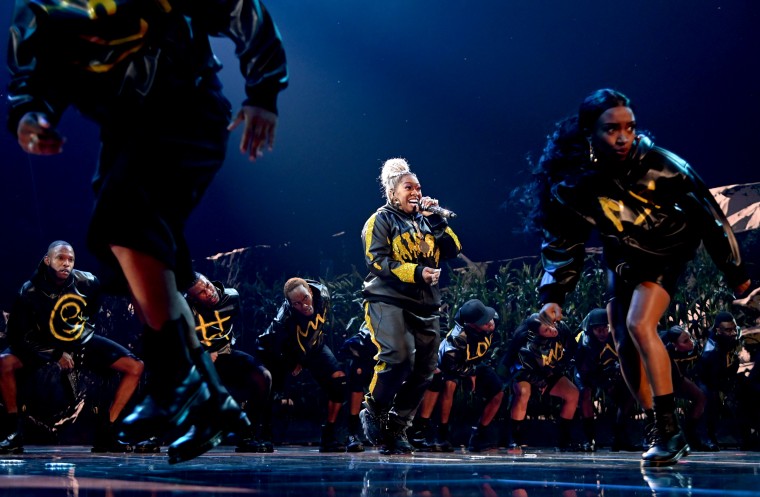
174,386
211,420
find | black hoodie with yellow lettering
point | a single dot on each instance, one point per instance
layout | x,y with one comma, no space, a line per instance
397,246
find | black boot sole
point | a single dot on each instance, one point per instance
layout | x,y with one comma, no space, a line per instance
197,448
226,416
656,463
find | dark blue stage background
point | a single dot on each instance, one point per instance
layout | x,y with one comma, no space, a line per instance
465,90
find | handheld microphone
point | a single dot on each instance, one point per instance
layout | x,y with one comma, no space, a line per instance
436,209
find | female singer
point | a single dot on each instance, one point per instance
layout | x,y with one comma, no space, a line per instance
404,246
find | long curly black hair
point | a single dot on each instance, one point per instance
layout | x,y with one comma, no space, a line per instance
566,154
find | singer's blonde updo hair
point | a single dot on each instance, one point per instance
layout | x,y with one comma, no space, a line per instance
393,170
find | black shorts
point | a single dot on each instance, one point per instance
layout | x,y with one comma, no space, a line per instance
97,354
487,382
622,282
155,165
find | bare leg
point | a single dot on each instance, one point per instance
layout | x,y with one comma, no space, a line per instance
428,404
491,408
520,397
631,365
447,401
154,290
667,442
649,303
9,363
131,370
568,392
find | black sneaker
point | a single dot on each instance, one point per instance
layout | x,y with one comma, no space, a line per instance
13,443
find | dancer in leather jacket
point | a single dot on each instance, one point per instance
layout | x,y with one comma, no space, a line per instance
145,73
651,211
539,359
216,308
294,341
463,359
404,247
53,321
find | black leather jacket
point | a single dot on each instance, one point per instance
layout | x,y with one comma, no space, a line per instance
653,210
214,325
95,57
463,349
291,335
542,359
47,320
395,259
719,363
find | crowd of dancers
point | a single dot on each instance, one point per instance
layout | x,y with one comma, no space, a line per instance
570,378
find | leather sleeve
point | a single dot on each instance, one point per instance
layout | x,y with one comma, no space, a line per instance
30,89
445,238
562,259
22,329
258,47
271,342
718,237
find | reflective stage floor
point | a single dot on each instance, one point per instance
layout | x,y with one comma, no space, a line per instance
72,471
